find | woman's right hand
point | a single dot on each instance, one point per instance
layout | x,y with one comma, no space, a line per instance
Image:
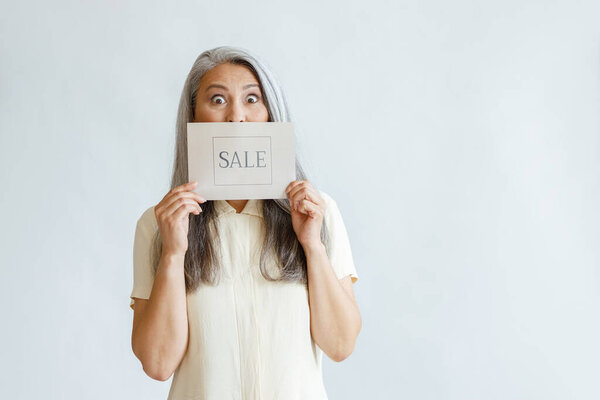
172,216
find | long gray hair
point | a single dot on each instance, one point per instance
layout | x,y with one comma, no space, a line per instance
202,259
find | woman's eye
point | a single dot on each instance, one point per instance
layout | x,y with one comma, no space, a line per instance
253,98
218,99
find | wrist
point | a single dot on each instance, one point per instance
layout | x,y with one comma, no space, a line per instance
170,258
313,248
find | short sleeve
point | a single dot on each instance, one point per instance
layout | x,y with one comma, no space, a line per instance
340,254
143,273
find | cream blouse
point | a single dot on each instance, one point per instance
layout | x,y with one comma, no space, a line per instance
249,338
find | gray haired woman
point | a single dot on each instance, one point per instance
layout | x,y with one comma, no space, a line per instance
240,298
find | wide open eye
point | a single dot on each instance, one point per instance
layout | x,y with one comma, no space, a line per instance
254,98
216,97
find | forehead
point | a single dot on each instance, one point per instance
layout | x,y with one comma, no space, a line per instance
230,74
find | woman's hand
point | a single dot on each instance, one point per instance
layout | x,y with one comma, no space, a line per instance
172,215
307,209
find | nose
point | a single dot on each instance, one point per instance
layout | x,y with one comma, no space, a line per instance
236,113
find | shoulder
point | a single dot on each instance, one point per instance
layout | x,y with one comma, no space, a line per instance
148,219
331,207
328,199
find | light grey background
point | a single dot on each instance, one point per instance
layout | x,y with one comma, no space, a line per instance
460,140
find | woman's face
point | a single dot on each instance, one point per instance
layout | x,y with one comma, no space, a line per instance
230,93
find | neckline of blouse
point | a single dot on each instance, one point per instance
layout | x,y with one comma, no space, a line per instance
252,207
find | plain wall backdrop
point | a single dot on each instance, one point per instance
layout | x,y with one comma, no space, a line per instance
460,140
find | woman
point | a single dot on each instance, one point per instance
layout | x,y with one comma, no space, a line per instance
240,298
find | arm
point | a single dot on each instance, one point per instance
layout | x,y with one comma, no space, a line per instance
159,338
335,319
160,327
334,315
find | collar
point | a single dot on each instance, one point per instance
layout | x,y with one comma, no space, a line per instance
252,207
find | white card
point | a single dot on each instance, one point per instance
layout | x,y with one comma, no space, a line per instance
241,160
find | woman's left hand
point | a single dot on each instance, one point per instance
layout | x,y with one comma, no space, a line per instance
307,209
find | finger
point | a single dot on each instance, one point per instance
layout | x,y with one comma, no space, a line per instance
188,195
178,202
185,186
311,209
293,184
301,185
299,195
308,193
295,188
181,188
185,210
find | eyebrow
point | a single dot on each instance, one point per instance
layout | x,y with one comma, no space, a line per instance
217,85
